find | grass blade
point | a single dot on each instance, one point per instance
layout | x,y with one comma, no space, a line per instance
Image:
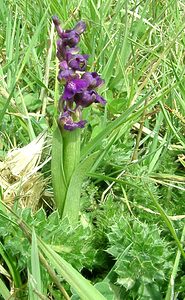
81,285
35,266
167,221
4,292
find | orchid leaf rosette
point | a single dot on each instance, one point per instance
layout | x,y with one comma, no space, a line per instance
79,92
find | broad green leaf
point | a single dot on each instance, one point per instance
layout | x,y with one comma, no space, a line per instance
72,202
170,290
71,152
102,287
57,171
107,72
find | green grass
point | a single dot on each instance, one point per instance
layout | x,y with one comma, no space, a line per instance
138,175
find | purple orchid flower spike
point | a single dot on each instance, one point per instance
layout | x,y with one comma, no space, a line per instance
79,91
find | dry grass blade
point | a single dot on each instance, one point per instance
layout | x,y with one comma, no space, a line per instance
19,176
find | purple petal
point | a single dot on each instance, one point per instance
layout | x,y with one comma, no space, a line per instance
69,92
80,27
63,65
70,38
86,56
73,51
67,121
99,80
56,21
100,99
89,78
93,79
87,97
69,125
73,87
80,84
60,50
77,62
66,74
59,43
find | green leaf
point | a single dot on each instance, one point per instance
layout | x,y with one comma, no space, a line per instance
35,266
57,171
81,285
105,290
4,292
32,102
10,262
107,72
72,202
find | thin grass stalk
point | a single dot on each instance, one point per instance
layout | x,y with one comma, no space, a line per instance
12,269
43,97
170,292
167,221
138,138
